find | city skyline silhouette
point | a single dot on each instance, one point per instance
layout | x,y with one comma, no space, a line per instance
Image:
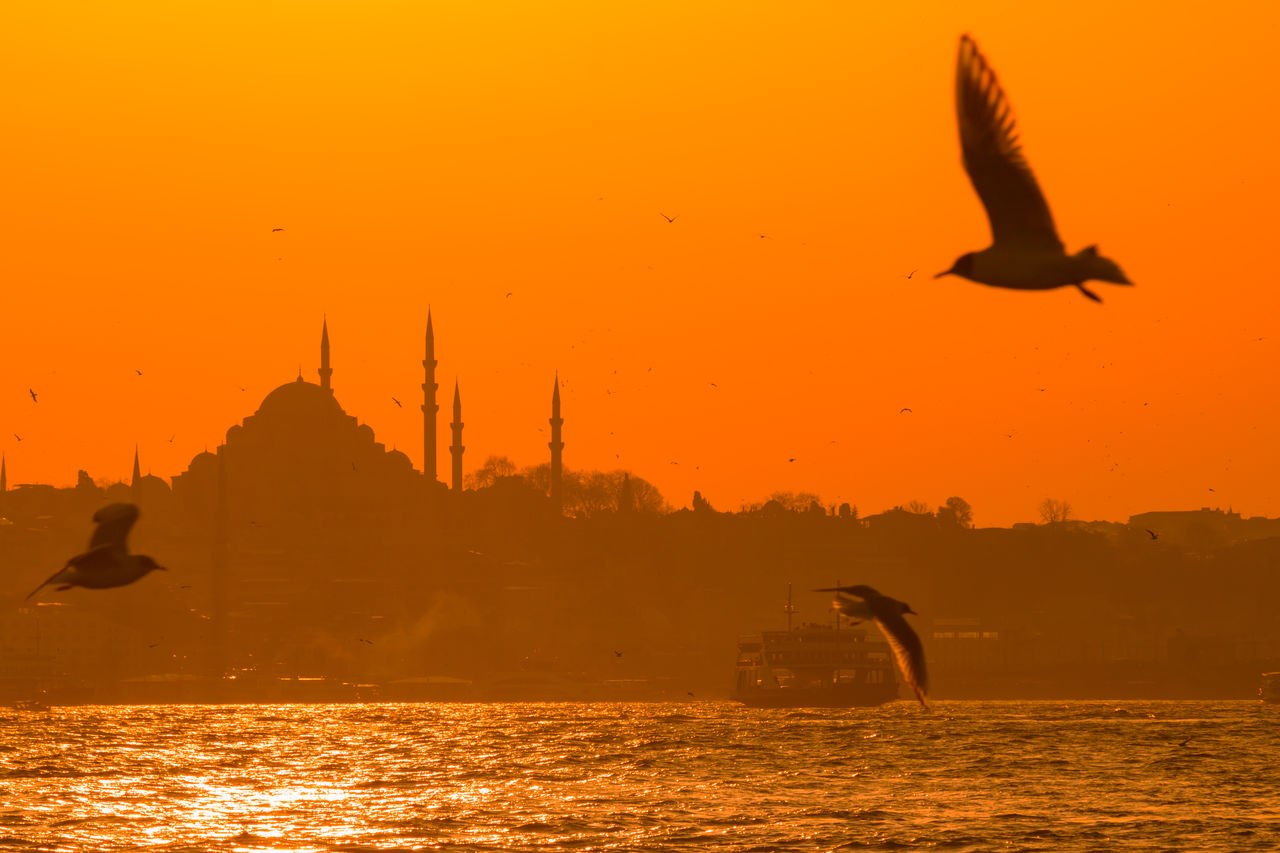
527,177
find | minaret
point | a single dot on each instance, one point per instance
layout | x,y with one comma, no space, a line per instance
556,446
136,483
456,448
4,484
325,370
429,407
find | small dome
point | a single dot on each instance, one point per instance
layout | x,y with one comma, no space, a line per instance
150,481
399,459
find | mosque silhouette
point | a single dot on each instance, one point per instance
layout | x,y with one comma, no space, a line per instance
300,455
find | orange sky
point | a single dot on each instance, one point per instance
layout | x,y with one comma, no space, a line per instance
446,153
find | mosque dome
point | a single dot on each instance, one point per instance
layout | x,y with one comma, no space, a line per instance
300,398
399,459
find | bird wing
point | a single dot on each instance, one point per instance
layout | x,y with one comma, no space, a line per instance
855,608
114,523
99,558
993,157
907,649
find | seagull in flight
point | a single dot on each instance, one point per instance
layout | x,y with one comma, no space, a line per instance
33,395
274,230
397,402
905,411
1025,251
862,602
1152,532
15,435
108,562
669,219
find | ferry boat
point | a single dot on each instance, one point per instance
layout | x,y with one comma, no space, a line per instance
814,666
1269,690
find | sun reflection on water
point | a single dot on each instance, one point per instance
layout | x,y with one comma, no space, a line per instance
599,777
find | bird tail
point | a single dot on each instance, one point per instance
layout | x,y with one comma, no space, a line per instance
53,577
1095,266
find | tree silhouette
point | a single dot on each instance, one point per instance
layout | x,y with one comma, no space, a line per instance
493,469
956,511
1053,510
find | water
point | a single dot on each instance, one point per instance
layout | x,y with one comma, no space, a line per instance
697,776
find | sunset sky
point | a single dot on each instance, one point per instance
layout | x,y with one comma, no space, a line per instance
444,154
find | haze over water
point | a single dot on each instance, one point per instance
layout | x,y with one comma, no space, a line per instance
689,776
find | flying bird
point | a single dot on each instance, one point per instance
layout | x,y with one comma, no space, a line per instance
888,614
905,410
139,372
669,219
274,230
617,654
1025,251
1152,532
397,402
908,275
33,395
108,562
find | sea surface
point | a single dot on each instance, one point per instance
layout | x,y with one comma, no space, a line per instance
966,776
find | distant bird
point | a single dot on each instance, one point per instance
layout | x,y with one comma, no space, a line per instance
172,437
1152,532
108,562
363,640
33,395
397,402
905,410
15,435
888,614
908,275
139,372
152,645
792,459
1025,251
274,230
713,385
509,294
617,654
669,219
1211,490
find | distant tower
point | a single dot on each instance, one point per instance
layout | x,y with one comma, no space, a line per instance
456,448
136,483
325,370
4,483
429,407
556,446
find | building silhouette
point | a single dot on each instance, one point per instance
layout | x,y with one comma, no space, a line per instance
301,455
456,448
556,445
429,405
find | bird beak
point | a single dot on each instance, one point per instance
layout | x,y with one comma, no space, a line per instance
945,272
912,612
162,568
